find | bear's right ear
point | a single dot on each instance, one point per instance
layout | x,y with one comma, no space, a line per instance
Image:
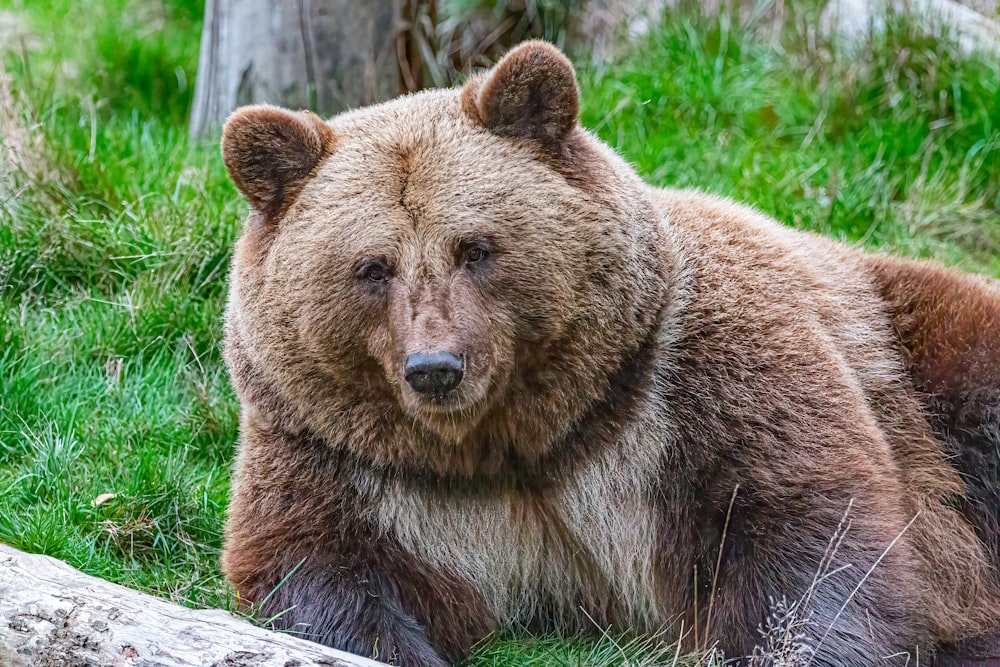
530,94
270,152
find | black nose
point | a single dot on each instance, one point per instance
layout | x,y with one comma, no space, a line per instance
433,374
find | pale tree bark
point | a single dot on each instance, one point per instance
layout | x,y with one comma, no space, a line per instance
324,55
973,24
52,614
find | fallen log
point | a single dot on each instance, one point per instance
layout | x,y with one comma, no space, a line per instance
52,614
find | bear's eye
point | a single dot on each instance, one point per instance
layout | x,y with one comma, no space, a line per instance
374,272
474,253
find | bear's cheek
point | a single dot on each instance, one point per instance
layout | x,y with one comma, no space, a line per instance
341,328
486,326
533,298
320,317
379,347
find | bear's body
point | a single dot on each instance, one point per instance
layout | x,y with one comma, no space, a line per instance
492,380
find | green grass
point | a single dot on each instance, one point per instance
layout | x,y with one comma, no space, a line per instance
898,149
114,255
112,276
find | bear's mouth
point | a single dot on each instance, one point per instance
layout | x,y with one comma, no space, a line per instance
450,405
452,415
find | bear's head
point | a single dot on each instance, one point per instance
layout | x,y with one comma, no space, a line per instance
447,282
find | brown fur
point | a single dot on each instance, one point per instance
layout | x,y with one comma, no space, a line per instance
531,94
948,326
270,152
632,357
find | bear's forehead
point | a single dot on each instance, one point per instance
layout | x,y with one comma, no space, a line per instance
429,119
423,141
419,164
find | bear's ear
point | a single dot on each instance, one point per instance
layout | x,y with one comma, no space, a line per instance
270,152
530,94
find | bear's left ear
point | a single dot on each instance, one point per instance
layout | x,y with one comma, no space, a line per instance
530,94
270,152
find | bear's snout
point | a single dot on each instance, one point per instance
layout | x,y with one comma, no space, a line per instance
434,374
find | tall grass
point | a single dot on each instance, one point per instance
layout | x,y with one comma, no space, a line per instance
113,260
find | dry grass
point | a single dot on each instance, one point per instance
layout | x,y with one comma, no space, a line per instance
22,143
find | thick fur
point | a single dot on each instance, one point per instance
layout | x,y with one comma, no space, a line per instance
270,152
675,412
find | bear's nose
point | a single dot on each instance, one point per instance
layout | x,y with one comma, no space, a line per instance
433,374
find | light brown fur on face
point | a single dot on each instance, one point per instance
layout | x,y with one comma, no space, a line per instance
524,305
664,398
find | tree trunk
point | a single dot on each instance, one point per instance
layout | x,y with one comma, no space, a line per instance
854,21
324,55
51,614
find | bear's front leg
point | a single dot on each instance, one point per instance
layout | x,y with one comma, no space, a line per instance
298,545
353,607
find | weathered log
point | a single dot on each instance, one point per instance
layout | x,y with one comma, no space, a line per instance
52,614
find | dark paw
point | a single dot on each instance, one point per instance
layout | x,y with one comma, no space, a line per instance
406,654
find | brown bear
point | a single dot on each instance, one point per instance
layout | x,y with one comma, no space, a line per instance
492,380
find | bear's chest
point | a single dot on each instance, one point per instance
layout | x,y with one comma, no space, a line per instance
585,549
